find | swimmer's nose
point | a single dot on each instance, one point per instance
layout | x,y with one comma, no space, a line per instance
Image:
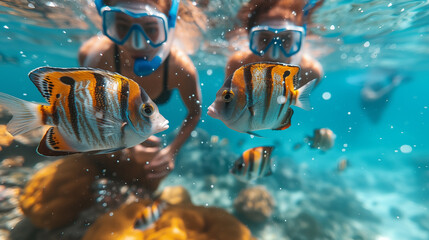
275,51
138,41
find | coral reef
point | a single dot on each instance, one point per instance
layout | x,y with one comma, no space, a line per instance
176,195
254,204
176,223
5,138
57,193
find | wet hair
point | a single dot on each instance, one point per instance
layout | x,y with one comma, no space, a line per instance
251,11
162,5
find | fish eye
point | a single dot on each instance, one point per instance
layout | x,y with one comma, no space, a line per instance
147,110
227,95
239,165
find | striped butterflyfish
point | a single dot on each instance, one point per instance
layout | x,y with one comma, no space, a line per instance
89,110
150,214
259,95
254,163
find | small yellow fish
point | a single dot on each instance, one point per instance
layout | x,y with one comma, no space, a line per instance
150,214
323,139
259,95
90,110
254,163
342,165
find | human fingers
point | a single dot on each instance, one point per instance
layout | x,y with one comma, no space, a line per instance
152,141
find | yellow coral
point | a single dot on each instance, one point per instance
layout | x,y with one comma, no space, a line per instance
175,223
57,193
5,138
176,195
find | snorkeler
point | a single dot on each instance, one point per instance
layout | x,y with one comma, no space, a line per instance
276,30
137,43
377,90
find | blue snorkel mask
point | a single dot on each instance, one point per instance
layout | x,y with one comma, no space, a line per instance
276,37
148,30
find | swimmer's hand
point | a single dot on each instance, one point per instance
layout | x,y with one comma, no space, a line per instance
161,165
152,141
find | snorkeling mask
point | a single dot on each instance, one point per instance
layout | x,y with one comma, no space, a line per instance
285,38
146,28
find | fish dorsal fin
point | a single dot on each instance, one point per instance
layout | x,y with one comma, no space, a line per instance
54,144
286,122
52,82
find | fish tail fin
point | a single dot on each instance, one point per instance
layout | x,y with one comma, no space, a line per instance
303,98
25,114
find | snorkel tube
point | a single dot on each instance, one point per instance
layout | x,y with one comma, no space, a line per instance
148,64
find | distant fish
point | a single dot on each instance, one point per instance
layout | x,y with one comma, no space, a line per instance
254,163
90,110
323,139
150,215
342,165
297,146
259,95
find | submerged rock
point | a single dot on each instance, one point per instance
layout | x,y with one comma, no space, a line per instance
254,204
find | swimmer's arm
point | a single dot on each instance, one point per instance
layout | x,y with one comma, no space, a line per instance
92,51
235,61
310,69
190,92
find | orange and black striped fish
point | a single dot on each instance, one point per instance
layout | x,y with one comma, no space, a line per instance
259,95
90,110
150,214
342,165
323,139
254,163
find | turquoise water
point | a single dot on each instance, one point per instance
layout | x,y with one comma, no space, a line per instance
355,41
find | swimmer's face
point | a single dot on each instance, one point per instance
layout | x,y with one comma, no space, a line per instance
271,41
136,43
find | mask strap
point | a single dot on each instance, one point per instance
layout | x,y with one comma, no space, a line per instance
98,5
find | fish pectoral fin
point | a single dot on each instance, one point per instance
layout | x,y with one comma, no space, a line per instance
254,134
53,144
286,122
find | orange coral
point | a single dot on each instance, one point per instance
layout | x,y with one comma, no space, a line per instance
57,193
5,138
175,223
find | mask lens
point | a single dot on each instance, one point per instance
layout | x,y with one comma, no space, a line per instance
116,25
260,40
290,41
154,28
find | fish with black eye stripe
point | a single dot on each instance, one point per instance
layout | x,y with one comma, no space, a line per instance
253,164
90,110
259,95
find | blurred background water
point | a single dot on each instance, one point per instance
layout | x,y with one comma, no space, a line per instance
387,144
